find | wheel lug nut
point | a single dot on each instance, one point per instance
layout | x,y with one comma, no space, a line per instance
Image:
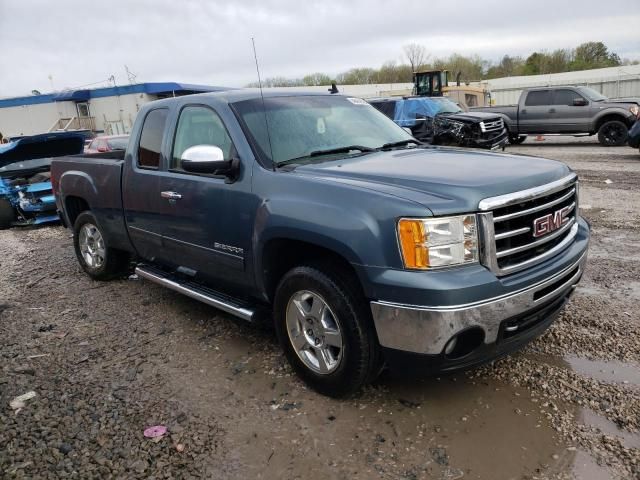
309,332
317,341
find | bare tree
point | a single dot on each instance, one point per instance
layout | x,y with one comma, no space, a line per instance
416,54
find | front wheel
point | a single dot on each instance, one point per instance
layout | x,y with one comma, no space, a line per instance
96,258
517,139
613,133
325,328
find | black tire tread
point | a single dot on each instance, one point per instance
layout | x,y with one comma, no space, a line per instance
601,136
116,263
367,365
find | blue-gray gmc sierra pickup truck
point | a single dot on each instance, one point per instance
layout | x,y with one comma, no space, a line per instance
364,247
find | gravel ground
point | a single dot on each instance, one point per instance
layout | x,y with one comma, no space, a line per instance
108,360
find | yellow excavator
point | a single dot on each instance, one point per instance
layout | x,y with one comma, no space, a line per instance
435,83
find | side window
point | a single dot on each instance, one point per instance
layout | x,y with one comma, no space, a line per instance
151,138
199,126
565,97
538,97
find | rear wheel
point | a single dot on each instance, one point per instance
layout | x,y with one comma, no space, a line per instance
324,326
7,214
95,257
613,133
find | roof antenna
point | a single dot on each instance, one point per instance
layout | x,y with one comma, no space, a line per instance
264,108
334,88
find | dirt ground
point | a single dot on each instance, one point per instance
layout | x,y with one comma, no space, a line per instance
107,360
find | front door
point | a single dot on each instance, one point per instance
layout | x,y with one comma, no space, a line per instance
570,118
208,231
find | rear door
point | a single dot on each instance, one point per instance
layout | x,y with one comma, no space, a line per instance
535,115
570,118
144,207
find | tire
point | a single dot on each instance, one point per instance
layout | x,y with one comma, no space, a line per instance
94,255
299,299
7,214
613,133
517,139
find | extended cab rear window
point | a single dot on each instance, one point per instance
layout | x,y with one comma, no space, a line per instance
151,138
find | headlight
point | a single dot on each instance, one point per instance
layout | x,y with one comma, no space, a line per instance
634,109
438,242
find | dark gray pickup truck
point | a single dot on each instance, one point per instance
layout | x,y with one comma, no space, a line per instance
567,111
320,214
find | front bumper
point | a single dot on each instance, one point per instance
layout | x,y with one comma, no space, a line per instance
456,318
426,329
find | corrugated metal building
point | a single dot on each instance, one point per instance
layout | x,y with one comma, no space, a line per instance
111,109
614,82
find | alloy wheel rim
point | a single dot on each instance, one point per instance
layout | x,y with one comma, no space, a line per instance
314,332
613,133
92,245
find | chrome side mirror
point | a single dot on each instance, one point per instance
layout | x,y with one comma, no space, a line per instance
206,159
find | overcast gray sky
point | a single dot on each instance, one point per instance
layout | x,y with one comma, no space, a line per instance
208,42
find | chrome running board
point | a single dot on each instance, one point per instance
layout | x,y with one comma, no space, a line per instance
196,291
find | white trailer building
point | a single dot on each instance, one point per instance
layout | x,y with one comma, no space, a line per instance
613,82
111,110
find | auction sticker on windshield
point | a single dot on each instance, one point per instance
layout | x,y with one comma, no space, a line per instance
357,101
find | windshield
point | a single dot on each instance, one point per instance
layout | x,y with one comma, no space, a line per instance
444,105
591,94
306,125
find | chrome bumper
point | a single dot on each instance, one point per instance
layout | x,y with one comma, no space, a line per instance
427,329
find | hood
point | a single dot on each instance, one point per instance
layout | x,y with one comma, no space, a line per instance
471,117
41,146
629,101
445,180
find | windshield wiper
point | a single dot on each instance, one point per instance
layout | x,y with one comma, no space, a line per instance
401,143
328,151
346,149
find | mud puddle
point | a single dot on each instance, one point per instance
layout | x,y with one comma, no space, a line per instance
607,427
584,467
423,428
609,371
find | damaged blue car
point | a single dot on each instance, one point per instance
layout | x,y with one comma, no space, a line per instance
26,197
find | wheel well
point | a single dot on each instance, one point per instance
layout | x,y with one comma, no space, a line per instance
608,118
74,206
281,255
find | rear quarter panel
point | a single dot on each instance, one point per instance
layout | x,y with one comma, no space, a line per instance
98,182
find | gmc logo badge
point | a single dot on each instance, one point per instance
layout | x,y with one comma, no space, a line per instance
550,222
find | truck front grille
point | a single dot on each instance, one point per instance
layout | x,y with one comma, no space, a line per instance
524,228
492,126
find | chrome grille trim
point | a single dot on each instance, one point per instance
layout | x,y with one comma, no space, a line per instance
512,253
535,209
537,243
512,233
492,126
524,195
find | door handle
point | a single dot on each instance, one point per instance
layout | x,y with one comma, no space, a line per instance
170,195
552,110
523,111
